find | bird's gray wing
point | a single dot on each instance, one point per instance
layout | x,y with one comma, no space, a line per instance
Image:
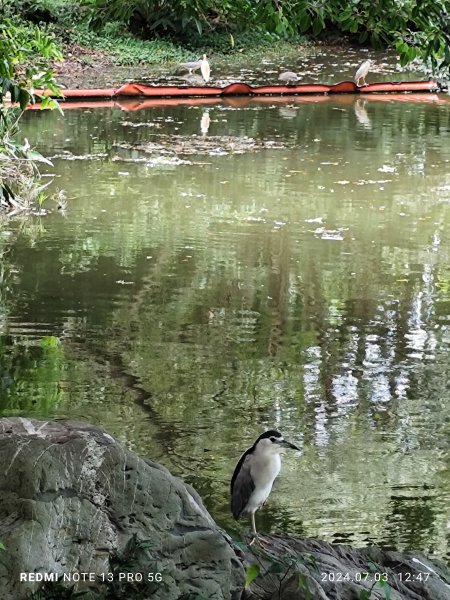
242,487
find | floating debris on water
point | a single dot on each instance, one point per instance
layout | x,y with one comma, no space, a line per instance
212,145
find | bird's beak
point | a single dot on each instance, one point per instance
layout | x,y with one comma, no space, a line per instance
286,444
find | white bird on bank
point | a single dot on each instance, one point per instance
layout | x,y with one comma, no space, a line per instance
289,77
361,73
205,68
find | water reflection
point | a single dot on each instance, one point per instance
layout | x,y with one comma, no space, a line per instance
361,113
289,271
205,122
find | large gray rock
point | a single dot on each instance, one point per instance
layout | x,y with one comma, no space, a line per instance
71,500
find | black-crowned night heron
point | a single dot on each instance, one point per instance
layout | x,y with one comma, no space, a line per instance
361,73
192,66
255,473
289,77
205,68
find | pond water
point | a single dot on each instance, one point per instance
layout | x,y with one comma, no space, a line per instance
223,270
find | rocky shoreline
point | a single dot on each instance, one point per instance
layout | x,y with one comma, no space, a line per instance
81,516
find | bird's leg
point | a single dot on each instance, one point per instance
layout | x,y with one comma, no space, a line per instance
253,523
255,533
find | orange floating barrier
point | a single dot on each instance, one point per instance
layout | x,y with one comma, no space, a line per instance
242,89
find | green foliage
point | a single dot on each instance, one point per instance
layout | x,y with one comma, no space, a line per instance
2,546
303,584
130,51
251,574
245,42
19,176
126,49
148,17
184,19
386,588
415,29
44,11
25,53
122,47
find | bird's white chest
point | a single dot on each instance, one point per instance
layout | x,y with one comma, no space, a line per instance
264,472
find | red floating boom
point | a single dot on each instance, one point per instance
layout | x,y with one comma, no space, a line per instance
242,89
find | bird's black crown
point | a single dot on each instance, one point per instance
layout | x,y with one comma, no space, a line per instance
269,434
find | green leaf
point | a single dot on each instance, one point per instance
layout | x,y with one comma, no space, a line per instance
24,98
363,37
317,26
251,574
2,547
386,588
303,584
199,26
5,82
276,567
36,156
51,103
305,23
14,91
447,54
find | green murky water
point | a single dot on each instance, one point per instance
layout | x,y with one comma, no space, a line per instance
289,267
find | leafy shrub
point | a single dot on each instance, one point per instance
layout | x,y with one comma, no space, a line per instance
413,27
63,12
26,53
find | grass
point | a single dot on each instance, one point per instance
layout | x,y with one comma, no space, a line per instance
125,49
122,48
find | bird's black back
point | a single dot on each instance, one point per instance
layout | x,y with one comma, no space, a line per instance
239,465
